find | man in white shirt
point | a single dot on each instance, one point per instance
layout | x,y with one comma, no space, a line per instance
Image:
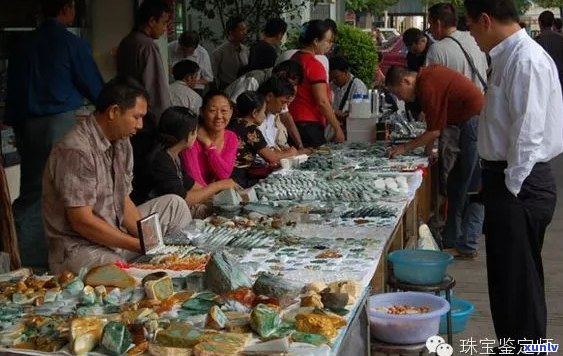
249,81
344,86
278,93
188,47
181,91
520,131
457,50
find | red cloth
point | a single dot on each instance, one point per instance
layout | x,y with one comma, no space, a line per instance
208,166
304,108
447,97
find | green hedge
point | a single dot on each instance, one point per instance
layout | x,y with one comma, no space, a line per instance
359,48
355,44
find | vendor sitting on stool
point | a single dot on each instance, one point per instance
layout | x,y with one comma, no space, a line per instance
451,104
89,217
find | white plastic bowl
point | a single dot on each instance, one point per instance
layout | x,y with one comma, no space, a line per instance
405,329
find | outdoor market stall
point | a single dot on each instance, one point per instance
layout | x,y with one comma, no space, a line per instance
292,270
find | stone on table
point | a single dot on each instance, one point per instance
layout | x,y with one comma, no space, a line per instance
313,339
109,275
313,300
244,296
334,300
222,274
201,303
277,287
160,289
322,324
195,282
179,335
216,318
215,349
264,320
85,334
116,338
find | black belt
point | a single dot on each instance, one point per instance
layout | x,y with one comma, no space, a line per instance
498,166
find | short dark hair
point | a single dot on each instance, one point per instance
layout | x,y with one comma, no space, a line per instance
395,74
444,12
291,70
51,8
558,23
232,23
275,27
189,39
277,86
184,68
151,9
175,124
121,91
313,30
546,19
412,36
332,25
249,101
500,10
339,63
211,94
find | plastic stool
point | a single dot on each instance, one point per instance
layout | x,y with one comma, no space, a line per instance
391,349
446,285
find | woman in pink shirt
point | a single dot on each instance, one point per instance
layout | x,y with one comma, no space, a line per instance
212,157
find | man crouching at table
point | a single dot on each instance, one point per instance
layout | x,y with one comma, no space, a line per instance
89,217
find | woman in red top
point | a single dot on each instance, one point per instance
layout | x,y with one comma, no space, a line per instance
311,108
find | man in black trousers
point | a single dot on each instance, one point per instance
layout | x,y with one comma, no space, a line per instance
520,131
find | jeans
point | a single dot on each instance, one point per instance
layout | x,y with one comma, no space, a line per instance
34,139
465,217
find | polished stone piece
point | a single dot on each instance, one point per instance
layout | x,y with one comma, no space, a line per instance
264,320
116,339
222,274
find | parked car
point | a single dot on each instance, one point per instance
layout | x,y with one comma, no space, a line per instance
385,34
393,52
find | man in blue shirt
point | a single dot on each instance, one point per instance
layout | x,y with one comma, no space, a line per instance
48,78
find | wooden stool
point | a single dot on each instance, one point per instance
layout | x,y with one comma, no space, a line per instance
446,285
391,349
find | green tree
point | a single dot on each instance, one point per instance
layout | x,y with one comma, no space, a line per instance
376,7
359,48
522,5
549,3
256,13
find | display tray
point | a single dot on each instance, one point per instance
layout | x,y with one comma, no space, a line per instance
301,241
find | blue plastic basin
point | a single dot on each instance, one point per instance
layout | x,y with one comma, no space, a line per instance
420,267
461,310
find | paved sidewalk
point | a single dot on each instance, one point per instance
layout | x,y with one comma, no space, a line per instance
471,277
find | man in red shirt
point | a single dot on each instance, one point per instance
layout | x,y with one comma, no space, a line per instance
451,104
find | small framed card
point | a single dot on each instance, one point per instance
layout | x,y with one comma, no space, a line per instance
150,234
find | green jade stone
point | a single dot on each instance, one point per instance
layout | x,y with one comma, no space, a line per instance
264,320
75,287
181,335
116,339
201,303
313,339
